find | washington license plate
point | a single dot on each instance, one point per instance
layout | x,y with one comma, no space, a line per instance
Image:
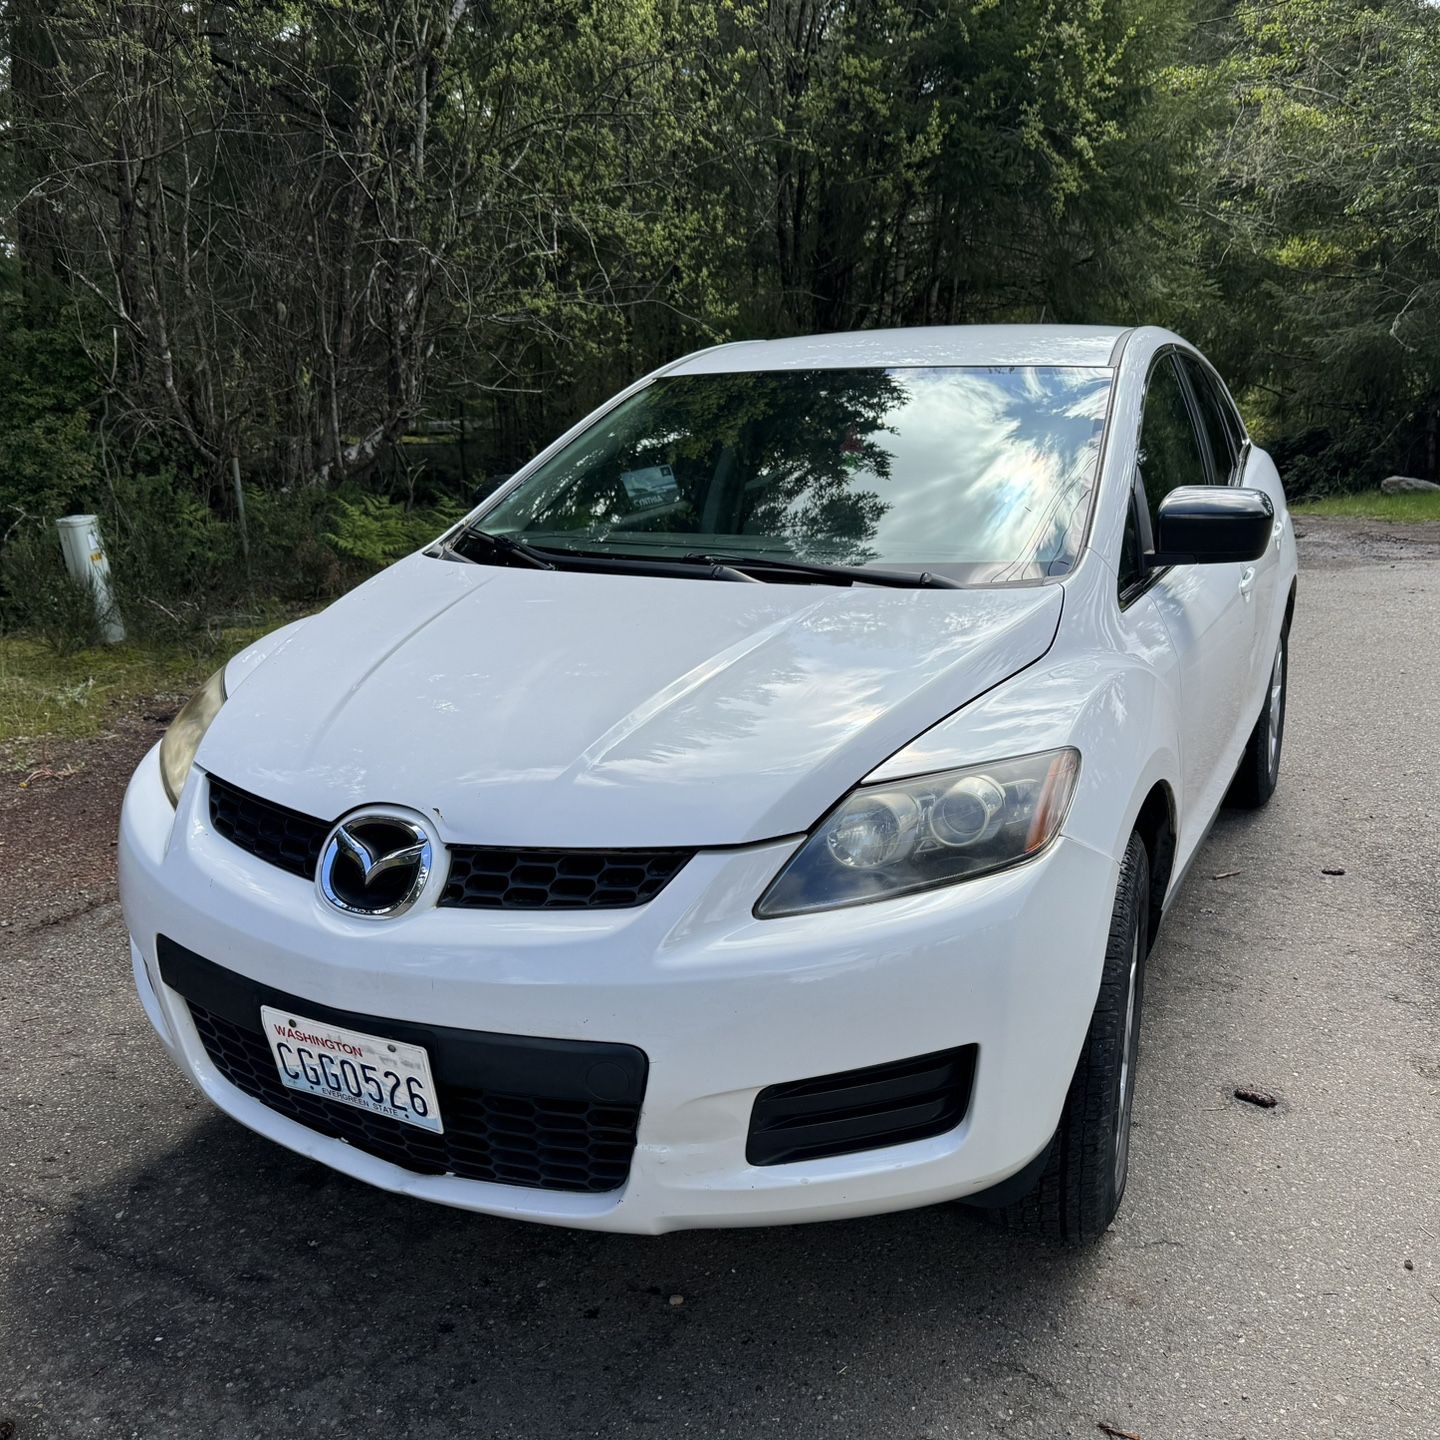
368,1072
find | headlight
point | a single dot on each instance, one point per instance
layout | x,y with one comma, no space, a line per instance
187,729
885,840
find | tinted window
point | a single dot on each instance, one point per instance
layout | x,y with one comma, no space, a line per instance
985,473
1212,406
1130,568
1170,453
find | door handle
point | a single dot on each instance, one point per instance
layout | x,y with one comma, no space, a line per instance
1247,581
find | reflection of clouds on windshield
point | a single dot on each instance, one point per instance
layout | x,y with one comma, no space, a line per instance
1089,404
1010,454
1032,386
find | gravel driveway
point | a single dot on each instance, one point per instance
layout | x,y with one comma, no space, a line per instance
1274,1273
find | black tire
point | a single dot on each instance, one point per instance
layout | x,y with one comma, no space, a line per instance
1259,770
1083,1181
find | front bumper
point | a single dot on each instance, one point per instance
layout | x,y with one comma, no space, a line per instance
721,1004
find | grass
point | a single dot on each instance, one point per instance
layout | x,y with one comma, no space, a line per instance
1376,505
46,695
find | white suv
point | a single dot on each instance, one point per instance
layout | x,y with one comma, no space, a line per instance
759,810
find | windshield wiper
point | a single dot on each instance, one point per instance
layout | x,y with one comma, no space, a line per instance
835,574
503,547
506,549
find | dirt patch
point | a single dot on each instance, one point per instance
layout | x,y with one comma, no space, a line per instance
1328,538
59,813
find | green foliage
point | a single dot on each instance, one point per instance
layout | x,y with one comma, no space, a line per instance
376,531
179,569
174,562
1376,505
940,162
48,400
73,694
1318,227
38,594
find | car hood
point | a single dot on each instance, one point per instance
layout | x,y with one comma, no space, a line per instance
520,707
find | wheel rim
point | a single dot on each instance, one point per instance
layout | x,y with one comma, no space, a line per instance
1127,1066
1277,706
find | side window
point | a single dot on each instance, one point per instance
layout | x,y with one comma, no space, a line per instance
1212,406
1170,453
1130,573
1234,426
1233,423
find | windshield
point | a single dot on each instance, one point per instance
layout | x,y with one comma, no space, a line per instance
984,474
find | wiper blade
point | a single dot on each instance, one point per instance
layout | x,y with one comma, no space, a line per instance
836,574
503,547
506,549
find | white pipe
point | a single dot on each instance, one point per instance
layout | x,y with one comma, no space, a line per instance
86,562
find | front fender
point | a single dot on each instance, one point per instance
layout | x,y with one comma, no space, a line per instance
1113,707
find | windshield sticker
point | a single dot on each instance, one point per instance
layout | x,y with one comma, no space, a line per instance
655,485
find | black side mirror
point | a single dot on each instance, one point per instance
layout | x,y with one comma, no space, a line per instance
1212,525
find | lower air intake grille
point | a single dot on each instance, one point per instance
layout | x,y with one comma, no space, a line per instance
861,1109
548,1114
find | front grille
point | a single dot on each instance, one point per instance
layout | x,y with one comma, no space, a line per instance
487,878
268,831
861,1109
548,1114
482,877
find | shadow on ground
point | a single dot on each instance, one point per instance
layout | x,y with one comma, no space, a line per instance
224,1287
228,1285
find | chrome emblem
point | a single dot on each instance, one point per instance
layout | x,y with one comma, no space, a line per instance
375,865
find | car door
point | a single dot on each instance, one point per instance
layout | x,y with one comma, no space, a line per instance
1207,609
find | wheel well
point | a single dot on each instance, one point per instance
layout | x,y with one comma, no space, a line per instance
1289,608
1156,824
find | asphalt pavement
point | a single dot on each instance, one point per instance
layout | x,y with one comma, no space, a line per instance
1274,1273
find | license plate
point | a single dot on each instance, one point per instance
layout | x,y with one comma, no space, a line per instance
385,1077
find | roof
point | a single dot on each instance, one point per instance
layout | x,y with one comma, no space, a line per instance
1091,345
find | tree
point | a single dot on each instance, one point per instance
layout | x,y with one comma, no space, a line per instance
939,161
1318,213
286,220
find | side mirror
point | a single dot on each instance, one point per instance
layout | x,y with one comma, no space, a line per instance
1212,525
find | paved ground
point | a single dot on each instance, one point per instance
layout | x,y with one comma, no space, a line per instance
165,1274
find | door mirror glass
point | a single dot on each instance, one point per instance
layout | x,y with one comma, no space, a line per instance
1212,525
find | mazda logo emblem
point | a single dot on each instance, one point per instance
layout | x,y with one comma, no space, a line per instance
375,865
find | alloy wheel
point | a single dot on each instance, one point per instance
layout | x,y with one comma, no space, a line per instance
1277,706
1128,1055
